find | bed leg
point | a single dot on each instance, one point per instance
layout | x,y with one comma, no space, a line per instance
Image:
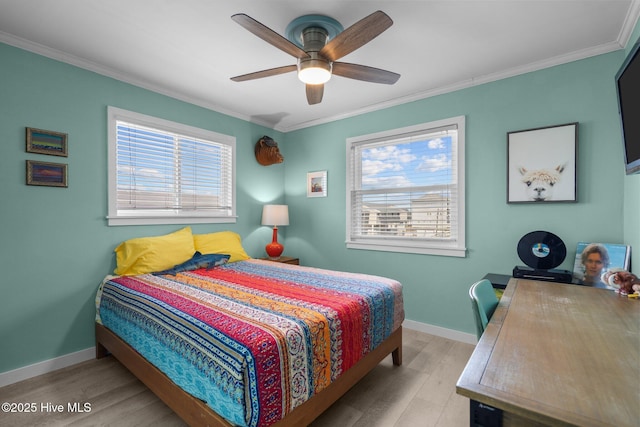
396,355
101,351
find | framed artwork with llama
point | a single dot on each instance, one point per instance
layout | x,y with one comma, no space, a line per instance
542,164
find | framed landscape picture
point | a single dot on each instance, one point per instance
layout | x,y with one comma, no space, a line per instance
46,174
46,142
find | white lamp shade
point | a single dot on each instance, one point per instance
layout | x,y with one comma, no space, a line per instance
275,215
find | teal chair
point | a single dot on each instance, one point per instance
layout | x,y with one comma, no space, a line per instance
484,303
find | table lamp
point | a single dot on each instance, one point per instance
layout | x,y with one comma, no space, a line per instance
275,215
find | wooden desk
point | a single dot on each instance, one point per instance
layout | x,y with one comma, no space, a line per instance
557,354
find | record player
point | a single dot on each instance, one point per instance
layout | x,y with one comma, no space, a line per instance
542,252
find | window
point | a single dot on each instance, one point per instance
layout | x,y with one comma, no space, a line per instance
161,172
405,189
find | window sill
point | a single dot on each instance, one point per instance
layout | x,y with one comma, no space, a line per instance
422,249
115,221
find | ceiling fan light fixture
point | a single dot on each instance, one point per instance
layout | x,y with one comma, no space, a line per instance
314,71
318,42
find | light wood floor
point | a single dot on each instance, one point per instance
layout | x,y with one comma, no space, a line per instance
419,393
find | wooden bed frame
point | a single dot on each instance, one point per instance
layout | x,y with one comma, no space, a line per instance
197,413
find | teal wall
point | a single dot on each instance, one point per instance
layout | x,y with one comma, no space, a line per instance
56,246
435,287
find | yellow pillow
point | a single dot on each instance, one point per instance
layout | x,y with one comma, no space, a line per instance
148,254
223,242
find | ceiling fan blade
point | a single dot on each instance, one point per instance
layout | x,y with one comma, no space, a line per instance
356,36
314,93
265,73
365,73
268,35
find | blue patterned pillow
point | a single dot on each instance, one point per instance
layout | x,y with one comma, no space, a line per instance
196,262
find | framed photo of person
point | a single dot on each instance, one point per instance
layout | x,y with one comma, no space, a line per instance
595,259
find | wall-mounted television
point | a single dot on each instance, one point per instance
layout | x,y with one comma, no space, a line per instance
628,88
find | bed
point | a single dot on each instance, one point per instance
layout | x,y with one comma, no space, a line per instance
250,342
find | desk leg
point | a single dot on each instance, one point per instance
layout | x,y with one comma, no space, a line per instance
482,415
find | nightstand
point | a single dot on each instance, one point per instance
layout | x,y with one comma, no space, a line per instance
285,260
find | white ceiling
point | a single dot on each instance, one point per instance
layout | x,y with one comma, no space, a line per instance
189,49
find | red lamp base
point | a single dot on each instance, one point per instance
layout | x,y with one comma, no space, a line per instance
274,249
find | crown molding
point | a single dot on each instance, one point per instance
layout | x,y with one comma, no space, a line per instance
464,84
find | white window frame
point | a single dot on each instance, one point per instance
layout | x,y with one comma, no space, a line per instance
455,247
164,217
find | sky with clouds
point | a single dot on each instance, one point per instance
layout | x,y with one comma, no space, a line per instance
408,164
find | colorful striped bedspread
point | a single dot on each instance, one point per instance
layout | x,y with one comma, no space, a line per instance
254,339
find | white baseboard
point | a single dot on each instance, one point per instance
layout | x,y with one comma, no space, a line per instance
54,364
440,331
46,366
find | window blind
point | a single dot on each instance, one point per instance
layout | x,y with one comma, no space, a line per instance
405,186
162,172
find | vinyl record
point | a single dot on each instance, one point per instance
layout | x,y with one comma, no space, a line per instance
541,250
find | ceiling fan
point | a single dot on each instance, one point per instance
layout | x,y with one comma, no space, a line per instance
318,41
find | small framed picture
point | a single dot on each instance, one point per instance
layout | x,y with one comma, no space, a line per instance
593,260
47,174
541,164
317,184
46,142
